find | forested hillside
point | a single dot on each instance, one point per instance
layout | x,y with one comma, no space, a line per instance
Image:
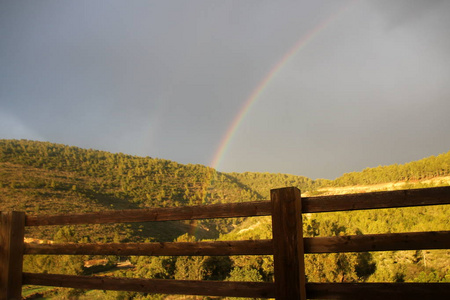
430,167
262,183
46,178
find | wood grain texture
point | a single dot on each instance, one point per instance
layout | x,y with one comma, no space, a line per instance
216,248
379,242
352,243
229,210
376,200
288,247
12,225
376,291
158,286
288,256
348,291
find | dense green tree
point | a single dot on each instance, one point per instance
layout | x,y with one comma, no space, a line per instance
46,178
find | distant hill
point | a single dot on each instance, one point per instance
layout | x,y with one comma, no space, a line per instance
46,178
426,168
389,266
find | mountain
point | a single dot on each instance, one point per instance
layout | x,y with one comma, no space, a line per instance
46,178
426,168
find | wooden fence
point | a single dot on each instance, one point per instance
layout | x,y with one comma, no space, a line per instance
287,247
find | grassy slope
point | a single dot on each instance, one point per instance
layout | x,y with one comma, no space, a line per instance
422,266
47,178
27,183
48,192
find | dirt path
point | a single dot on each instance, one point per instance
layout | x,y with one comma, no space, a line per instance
380,187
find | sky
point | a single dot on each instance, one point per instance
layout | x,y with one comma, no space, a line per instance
312,88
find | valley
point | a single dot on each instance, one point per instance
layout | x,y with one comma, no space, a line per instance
42,178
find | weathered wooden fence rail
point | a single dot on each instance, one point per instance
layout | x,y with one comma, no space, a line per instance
288,247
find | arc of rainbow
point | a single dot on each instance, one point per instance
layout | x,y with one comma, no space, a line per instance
251,100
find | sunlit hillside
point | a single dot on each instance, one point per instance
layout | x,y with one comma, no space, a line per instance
387,186
45,178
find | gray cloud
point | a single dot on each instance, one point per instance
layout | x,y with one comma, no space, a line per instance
403,12
166,79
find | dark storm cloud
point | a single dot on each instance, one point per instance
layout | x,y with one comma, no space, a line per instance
402,12
167,78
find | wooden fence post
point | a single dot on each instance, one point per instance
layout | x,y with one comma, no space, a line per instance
288,244
12,226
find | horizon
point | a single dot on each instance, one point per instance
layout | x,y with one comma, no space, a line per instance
150,157
315,89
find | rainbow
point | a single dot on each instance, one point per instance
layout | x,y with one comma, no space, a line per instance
252,99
